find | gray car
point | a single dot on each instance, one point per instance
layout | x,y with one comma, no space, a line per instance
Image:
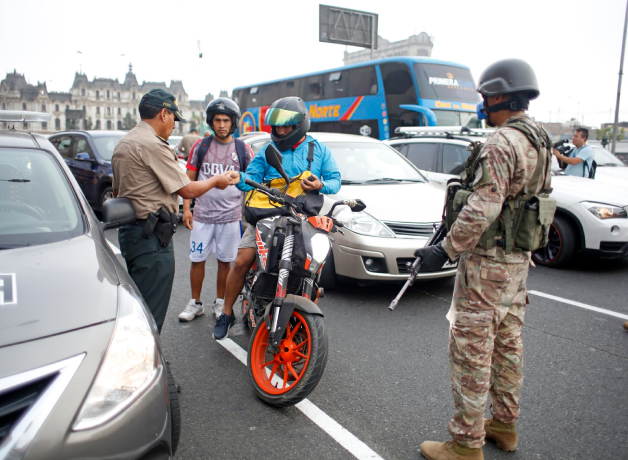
81,369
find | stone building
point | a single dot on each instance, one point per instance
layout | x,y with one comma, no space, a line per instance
102,103
415,45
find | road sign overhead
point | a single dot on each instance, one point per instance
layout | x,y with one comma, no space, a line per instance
347,27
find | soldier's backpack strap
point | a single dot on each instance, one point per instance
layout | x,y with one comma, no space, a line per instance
201,152
242,157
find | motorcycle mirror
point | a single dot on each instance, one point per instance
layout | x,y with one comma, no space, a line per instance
359,206
274,159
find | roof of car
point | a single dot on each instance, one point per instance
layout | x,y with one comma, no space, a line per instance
94,133
10,138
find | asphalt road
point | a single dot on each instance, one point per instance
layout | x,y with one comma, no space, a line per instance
387,381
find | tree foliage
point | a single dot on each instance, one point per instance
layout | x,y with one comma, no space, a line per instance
128,122
606,135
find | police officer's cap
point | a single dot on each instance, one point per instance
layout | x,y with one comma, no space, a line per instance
165,100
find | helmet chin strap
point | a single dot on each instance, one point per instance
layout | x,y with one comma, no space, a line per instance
515,104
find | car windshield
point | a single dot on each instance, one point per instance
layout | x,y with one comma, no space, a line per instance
361,162
605,158
105,145
37,204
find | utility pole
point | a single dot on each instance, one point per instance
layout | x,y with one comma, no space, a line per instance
621,71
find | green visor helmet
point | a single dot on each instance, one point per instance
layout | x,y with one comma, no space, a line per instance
288,111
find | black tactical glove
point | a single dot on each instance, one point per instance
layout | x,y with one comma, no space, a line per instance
434,257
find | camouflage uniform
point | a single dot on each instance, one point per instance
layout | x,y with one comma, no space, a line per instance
488,305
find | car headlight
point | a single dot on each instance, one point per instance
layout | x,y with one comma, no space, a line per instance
362,223
129,366
320,249
605,211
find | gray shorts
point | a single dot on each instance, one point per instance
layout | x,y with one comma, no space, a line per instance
248,238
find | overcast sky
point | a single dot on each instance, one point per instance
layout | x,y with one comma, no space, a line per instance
574,46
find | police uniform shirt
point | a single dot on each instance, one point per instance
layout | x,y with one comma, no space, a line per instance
187,142
147,172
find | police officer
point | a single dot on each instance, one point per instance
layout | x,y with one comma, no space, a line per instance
147,172
488,305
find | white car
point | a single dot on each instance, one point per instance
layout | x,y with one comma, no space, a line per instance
591,215
401,210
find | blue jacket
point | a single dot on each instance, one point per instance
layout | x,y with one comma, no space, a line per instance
294,163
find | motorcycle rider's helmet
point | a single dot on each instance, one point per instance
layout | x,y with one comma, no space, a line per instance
226,106
288,111
508,76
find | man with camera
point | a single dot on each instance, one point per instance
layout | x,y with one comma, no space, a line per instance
580,159
147,172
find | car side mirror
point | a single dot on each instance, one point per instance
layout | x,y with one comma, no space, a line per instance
117,212
359,206
83,156
275,159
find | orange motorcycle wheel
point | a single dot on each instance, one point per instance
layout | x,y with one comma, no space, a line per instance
287,377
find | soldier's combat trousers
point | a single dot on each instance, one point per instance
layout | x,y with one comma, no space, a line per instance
485,344
151,266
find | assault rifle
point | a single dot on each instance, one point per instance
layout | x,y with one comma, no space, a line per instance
439,234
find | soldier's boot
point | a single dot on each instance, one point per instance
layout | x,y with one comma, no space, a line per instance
449,450
504,434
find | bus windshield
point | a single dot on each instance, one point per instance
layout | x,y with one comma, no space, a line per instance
437,81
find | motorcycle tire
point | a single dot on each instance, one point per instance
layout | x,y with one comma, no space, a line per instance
288,377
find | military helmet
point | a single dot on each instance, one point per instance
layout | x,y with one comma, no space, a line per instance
287,111
226,106
509,76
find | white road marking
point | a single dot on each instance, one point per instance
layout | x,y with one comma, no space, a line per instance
579,304
341,435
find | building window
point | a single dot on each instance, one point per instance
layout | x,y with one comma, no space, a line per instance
56,107
97,94
57,123
119,124
44,125
25,125
119,111
133,95
109,124
97,124
67,107
4,107
119,95
97,110
108,110
108,94
24,106
43,107
82,91
84,110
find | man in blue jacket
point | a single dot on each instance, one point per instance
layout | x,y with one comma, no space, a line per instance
289,123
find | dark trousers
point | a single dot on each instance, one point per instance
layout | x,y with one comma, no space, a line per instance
151,266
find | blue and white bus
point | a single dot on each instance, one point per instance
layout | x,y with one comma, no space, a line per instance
371,98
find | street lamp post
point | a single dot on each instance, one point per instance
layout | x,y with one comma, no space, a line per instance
621,71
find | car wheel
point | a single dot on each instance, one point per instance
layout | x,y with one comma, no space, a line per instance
175,410
561,246
106,194
328,276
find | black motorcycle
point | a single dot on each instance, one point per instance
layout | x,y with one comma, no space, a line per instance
287,351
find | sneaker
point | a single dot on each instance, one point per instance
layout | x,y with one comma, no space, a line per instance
224,323
192,310
219,304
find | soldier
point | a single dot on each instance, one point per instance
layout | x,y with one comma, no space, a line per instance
185,146
147,172
488,305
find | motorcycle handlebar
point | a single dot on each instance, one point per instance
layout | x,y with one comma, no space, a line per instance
272,193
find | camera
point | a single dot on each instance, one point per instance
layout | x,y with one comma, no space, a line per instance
563,147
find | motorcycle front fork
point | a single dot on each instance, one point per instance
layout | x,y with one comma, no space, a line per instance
285,264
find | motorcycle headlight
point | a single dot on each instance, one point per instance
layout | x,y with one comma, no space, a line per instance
362,223
320,249
605,211
129,366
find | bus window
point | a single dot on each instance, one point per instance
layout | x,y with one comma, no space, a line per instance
362,81
268,94
335,85
290,88
445,82
312,88
399,89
